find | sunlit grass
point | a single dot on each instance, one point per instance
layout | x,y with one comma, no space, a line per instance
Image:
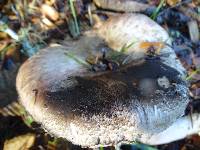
155,13
73,11
78,60
190,77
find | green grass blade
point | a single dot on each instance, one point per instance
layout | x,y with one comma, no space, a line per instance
74,16
80,61
155,13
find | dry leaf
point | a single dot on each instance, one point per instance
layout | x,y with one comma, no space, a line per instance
156,45
3,45
49,12
50,2
196,2
146,45
47,22
14,53
173,2
22,142
3,35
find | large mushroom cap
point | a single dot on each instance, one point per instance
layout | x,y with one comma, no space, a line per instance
90,108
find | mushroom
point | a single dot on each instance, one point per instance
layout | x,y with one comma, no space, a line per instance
139,100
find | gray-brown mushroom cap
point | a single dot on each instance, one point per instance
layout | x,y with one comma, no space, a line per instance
92,108
123,105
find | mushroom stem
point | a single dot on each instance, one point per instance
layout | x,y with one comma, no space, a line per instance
182,128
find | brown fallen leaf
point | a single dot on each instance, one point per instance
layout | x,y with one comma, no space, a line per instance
157,46
196,2
49,12
3,45
50,2
22,142
3,35
47,22
145,45
173,2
